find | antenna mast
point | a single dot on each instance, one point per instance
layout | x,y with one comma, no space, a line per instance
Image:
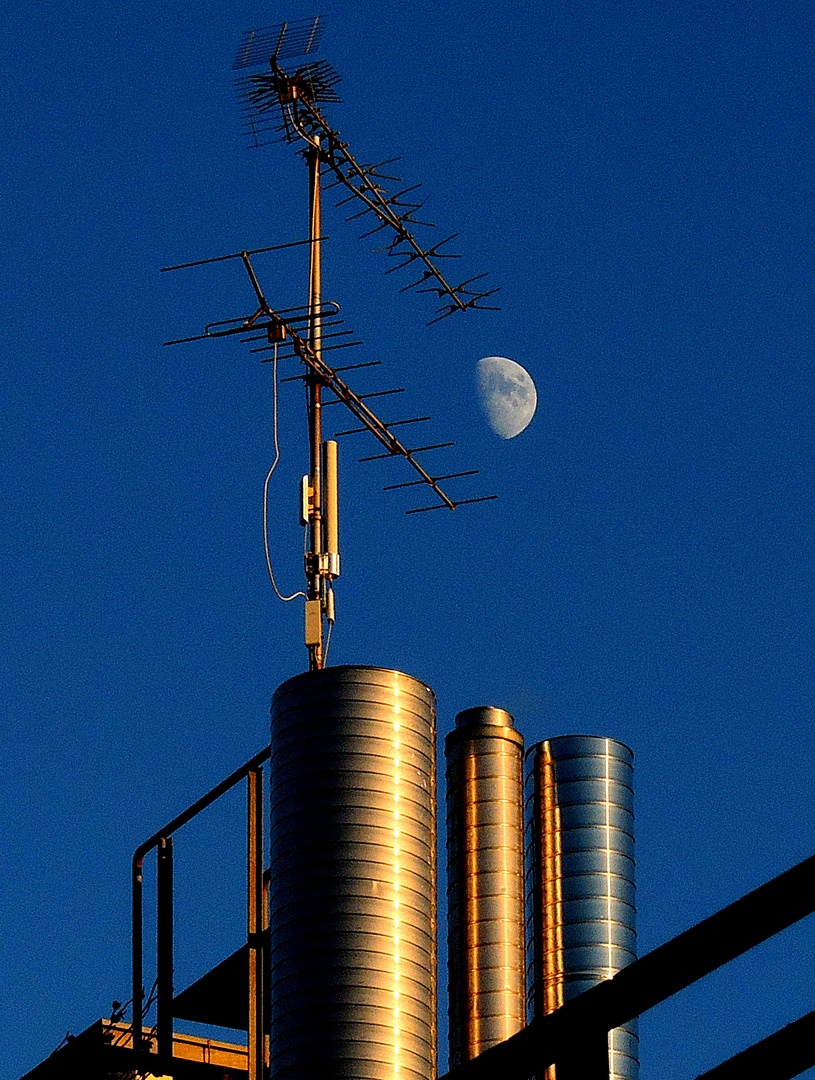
295,97
316,566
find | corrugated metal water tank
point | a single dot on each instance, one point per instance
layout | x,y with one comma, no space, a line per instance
582,877
485,881
352,896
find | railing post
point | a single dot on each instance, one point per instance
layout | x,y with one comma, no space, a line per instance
137,997
164,948
164,944
255,920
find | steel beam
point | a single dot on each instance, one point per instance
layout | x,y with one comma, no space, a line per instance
647,982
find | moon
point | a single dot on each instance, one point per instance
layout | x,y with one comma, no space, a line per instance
507,395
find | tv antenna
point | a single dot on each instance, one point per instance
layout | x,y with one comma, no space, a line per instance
292,98
303,331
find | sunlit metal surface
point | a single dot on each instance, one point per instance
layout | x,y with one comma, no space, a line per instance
485,892
352,896
582,877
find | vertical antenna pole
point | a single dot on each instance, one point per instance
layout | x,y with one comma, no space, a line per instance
314,621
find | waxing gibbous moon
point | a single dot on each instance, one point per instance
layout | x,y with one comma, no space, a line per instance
507,395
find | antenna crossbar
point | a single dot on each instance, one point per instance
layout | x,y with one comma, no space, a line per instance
414,483
460,502
348,367
362,397
391,423
414,450
241,254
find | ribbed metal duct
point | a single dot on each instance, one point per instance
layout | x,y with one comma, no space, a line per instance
485,891
582,877
352,896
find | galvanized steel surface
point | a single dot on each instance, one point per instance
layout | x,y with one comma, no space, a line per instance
352,896
485,891
582,877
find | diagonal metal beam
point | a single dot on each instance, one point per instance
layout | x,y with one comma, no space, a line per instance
781,1056
663,972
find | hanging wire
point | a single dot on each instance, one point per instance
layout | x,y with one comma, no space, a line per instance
327,643
266,488
151,997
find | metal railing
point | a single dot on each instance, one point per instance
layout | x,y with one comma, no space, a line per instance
574,1037
252,771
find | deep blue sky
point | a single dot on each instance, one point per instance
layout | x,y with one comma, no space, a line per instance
638,179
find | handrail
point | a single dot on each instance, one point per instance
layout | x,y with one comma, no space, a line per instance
647,982
782,1055
163,835
664,971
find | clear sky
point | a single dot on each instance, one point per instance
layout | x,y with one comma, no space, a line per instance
638,179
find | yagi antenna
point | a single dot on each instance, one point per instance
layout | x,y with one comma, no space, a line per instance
279,327
292,97
305,333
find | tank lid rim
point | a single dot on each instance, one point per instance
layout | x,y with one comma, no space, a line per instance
485,714
343,671
578,736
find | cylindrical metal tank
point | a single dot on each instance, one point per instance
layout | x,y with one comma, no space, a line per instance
352,895
485,875
581,870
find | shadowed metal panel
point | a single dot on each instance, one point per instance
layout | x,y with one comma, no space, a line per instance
352,894
582,877
485,893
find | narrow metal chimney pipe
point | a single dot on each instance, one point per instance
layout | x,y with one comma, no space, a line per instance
582,878
485,890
